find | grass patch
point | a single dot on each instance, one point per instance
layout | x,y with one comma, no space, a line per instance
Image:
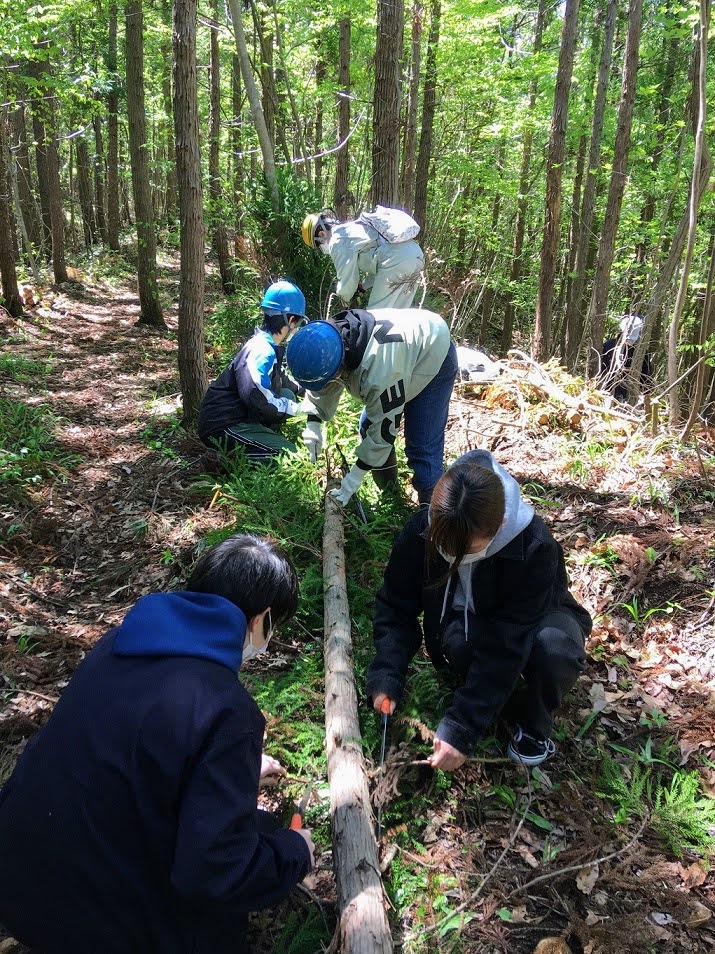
28,446
20,368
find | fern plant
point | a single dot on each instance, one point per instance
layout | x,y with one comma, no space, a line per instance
683,816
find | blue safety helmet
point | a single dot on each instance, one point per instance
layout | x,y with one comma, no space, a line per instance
283,298
315,354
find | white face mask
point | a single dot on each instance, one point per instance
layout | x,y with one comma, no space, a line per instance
250,651
323,246
467,558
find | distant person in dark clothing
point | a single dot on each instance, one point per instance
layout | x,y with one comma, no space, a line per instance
617,358
479,578
249,401
130,823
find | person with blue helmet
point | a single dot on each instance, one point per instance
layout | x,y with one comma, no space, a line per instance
249,401
401,363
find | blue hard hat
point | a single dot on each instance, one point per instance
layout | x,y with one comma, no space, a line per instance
314,354
283,298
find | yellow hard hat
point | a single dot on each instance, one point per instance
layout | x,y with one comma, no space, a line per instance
308,228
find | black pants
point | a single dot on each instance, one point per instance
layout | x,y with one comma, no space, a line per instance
557,657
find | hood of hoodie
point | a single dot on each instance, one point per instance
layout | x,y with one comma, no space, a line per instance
355,327
517,517
200,625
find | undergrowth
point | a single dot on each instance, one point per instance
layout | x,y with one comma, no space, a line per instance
29,450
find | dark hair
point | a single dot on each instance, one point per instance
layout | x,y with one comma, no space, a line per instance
252,572
467,501
275,323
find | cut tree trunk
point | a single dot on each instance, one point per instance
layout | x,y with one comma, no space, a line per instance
363,927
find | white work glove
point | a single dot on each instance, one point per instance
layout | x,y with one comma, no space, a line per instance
313,438
292,407
351,482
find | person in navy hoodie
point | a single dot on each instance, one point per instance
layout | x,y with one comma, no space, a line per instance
130,822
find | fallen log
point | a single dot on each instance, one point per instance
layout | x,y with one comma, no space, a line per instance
363,927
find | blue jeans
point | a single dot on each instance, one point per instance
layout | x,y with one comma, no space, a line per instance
425,423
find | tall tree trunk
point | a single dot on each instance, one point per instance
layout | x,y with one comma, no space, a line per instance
574,300
429,101
306,166
596,319
10,291
705,329
342,161
554,173
320,76
569,259
170,201
259,121
409,153
237,141
86,198
693,203
220,240
38,109
112,134
385,188
99,173
139,157
192,365
24,174
522,205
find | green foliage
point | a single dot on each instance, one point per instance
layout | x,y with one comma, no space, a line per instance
303,937
28,447
678,811
20,368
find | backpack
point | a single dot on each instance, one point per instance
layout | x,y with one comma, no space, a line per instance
393,225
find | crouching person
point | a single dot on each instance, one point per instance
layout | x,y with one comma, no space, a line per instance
130,821
491,582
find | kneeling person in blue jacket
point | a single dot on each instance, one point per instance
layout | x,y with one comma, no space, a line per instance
253,397
480,578
130,821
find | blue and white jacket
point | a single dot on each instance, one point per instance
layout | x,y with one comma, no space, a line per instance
248,391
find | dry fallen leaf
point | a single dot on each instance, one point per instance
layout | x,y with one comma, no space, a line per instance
700,914
587,878
552,945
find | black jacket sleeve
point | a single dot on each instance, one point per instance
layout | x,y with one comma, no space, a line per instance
398,606
220,856
501,650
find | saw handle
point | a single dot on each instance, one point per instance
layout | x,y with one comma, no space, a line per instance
385,706
296,822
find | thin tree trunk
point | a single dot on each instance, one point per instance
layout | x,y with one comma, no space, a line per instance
269,167
574,300
554,173
24,174
706,328
409,153
362,927
139,156
8,274
320,76
342,161
429,101
170,202
112,135
220,239
674,394
517,263
237,141
385,188
86,198
570,257
192,364
38,108
297,122
596,319
99,173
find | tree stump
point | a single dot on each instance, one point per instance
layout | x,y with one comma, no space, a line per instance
363,926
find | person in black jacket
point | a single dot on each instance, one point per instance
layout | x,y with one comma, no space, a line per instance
249,401
617,358
491,582
130,822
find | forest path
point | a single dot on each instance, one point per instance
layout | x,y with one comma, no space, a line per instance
77,551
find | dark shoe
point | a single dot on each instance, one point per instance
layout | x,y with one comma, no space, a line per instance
425,496
528,749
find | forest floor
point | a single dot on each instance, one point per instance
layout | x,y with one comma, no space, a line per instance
115,509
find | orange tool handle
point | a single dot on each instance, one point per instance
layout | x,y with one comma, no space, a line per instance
296,822
385,705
